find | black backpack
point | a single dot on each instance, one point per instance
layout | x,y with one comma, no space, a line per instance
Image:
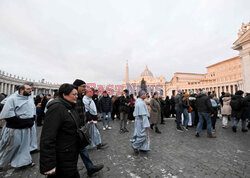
236,104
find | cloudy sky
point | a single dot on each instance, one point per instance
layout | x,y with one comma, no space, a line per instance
61,40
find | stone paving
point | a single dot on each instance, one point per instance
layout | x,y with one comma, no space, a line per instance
172,155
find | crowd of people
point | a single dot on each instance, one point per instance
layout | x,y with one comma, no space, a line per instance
69,122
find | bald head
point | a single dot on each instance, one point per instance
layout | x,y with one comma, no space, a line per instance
89,92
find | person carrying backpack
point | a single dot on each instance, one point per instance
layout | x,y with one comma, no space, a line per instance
239,110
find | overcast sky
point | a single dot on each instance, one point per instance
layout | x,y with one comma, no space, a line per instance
61,40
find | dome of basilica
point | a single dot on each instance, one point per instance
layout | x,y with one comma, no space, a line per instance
146,73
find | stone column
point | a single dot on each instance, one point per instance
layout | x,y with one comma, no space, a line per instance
1,89
8,88
13,88
5,89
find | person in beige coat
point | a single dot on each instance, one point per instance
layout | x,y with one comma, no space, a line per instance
226,110
155,113
147,101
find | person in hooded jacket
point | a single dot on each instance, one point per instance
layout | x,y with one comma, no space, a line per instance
239,110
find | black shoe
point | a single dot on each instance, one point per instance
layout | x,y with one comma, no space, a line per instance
1,169
102,145
179,130
125,130
157,130
35,151
244,130
234,129
95,169
136,151
196,134
152,126
26,166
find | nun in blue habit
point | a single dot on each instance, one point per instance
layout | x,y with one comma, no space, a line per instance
15,139
141,140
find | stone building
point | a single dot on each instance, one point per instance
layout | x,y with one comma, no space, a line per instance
242,44
225,76
9,82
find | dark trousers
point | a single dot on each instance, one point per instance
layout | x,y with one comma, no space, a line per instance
214,118
178,117
85,159
39,117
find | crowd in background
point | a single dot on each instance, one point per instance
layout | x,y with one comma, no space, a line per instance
74,106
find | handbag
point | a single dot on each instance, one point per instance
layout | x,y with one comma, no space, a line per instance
89,116
83,133
190,109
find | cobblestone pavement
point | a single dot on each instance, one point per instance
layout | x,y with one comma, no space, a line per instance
172,154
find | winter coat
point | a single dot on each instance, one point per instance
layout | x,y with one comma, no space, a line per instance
172,103
105,104
203,104
96,100
155,113
247,98
226,109
147,101
178,101
185,103
123,104
59,145
243,112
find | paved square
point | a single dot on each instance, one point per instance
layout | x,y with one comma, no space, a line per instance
172,154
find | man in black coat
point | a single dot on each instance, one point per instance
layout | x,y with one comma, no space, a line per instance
205,110
105,106
124,110
172,103
80,108
239,110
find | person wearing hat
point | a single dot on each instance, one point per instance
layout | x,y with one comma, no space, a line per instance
141,140
124,111
80,85
155,113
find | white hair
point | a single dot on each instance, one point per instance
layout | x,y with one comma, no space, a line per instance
204,92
